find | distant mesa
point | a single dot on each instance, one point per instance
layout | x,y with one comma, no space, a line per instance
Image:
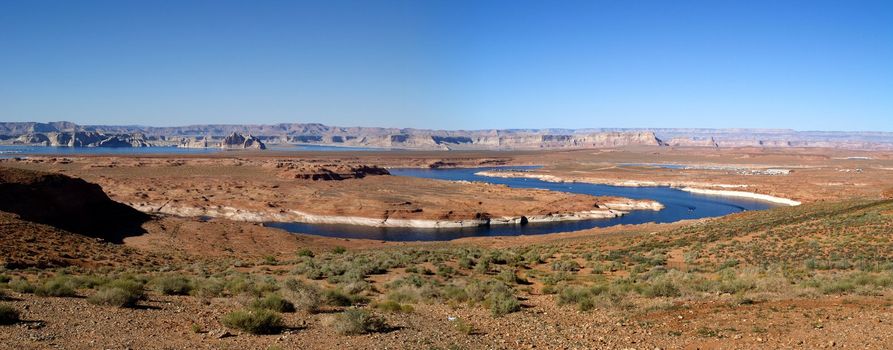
83,139
236,140
232,141
260,136
693,142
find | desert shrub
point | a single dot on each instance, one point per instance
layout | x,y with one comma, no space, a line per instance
393,306
575,296
273,302
22,285
466,262
335,297
483,265
463,327
306,297
555,278
172,285
660,288
59,286
247,284
115,296
848,283
207,287
253,321
565,265
5,278
88,281
339,250
601,294
510,276
445,271
403,295
356,321
503,302
8,315
131,286
305,252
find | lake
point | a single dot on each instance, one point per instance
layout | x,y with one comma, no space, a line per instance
679,205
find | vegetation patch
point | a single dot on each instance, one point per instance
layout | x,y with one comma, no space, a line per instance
357,321
254,321
8,315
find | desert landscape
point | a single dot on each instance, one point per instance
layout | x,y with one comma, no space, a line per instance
446,175
191,262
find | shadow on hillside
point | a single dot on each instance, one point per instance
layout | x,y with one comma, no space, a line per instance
68,203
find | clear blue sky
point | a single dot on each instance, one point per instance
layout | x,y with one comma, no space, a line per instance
807,65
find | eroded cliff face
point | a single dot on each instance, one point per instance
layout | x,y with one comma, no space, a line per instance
253,136
692,142
84,139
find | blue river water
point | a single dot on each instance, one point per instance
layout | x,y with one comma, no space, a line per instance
679,205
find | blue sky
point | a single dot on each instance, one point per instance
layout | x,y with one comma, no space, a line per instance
806,65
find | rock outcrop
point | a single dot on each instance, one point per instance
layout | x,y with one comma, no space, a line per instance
67,203
327,172
239,141
84,139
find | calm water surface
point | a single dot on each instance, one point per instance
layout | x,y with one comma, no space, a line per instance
679,205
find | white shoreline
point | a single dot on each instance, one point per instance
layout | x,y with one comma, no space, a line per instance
742,194
611,210
687,187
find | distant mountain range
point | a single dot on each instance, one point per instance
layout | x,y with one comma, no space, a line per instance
255,136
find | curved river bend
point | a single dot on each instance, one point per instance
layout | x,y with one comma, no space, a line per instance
679,205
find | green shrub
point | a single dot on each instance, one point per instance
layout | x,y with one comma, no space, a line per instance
22,285
335,297
393,306
511,277
339,250
356,321
463,326
305,252
207,287
662,288
114,296
566,265
132,287
466,262
60,286
306,297
502,302
403,295
8,315
247,284
172,285
273,302
254,321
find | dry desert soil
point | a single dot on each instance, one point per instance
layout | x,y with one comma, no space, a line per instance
82,268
